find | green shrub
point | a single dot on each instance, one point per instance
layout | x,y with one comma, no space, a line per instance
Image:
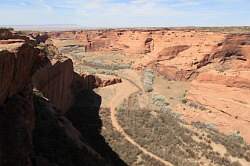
148,80
184,101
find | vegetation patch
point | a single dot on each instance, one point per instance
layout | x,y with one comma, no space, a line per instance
148,80
163,134
234,143
130,154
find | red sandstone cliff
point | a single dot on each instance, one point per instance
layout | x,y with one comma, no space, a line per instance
26,119
17,114
55,82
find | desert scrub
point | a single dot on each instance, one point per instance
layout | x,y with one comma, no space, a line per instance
183,98
184,101
90,70
196,105
101,65
148,80
130,154
234,144
154,135
163,134
159,100
193,104
106,72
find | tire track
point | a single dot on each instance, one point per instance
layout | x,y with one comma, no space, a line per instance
115,102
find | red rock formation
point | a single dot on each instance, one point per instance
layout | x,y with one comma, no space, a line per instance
216,64
11,41
41,38
55,82
171,52
109,82
229,49
235,80
17,118
227,101
173,73
128,41
181,51
223,87
21,67
89,82
17,114
149,45
8,33
17,68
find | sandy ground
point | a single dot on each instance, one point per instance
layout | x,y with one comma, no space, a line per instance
124,92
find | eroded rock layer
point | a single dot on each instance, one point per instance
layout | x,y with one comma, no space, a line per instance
216,64
34,95
55,82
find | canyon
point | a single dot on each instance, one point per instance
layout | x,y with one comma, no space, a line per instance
215,64
149,96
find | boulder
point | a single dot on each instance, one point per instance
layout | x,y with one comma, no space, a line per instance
89,82
171,52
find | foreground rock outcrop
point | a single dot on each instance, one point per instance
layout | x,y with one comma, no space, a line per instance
9,33
17,68
17,120
58,141
34,96
16,101
55,82
92,81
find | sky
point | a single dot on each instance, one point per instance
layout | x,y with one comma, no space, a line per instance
126,13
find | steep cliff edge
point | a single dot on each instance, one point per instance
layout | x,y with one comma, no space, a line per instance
16,103
55,82
34,95
17,68
17,120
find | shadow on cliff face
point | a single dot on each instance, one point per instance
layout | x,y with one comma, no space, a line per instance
16,124
73,139
84,115
57,142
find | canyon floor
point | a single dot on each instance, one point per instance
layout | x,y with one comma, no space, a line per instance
212,113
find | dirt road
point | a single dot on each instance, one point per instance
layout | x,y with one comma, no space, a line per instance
124,92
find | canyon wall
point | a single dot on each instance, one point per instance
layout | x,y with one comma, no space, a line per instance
34,95
176,54
215,64
18,63
55,82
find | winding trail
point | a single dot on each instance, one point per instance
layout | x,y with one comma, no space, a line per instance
123,93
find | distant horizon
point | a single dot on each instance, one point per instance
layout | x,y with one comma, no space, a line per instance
80,26
126,13
68,27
